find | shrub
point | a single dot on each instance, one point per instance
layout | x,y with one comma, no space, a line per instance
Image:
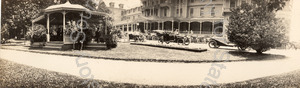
37,34
252,26
112,39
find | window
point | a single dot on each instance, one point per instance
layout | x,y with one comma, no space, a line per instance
177,11
165,11
156,12
191,12
232,3
243,1
201,11
213,11
192,1
180,11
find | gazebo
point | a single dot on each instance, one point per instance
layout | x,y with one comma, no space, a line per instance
61,13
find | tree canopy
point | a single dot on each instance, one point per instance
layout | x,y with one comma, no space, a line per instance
255,25
17,14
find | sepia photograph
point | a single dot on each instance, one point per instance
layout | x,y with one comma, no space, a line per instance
150,44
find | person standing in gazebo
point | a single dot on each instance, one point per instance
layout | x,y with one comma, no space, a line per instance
98,35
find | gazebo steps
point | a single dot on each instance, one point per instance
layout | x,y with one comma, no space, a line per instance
54,45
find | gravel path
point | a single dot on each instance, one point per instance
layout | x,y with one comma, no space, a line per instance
13,75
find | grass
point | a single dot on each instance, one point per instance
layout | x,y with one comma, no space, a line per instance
15,75
128,52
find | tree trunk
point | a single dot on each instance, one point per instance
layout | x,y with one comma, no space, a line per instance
259,51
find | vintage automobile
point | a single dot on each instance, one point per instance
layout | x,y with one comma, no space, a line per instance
167,37
137,37
216,42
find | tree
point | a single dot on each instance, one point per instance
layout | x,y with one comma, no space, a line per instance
255,25
4,32
19,13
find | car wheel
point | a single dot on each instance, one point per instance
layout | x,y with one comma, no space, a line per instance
213,44
242,48
187,42
167,42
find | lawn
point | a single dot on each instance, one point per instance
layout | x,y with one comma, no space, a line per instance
13,75
128,52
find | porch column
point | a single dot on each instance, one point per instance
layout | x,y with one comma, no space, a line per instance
137,27
200,27
131,26
213,27
64,24
144,26
179,26
163,24
134,25
172,25
189,28
48,27
158,26
127,27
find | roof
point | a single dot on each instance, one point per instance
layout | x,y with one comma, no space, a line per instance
66,6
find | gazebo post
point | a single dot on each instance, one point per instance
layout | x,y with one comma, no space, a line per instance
105,25
81,22
48,27
64,25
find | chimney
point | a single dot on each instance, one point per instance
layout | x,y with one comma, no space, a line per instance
111,4
121,6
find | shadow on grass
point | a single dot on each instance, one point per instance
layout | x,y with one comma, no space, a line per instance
44,49
12,44
59,49
256,57
225,48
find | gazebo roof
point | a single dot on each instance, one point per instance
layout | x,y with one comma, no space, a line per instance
66,6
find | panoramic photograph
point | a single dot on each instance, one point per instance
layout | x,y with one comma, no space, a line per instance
150,44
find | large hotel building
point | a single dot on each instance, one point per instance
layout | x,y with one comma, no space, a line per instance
202,17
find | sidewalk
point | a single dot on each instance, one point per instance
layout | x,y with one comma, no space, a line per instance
152,73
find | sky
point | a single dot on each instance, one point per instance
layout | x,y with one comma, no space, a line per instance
127,3
295,25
